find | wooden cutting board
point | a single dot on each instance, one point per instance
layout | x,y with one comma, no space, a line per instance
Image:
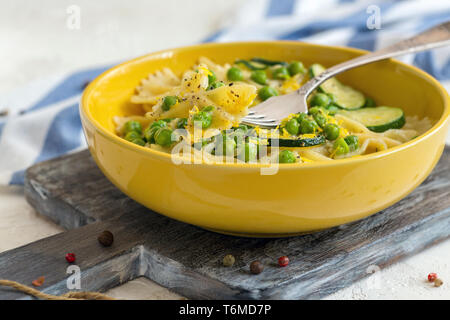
73,192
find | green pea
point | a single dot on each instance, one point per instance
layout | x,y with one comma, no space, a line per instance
204,117
235,74
216,85
139,142
370,103
352,142
301,116
281,73
132,125
159,123
332,109
211,77
287,156
293,127
313,110
168,102
296,67
266,92
248,151
320,118
149,134
341,147
320,100
259,76
132,135
163,137
182,123
331,131
307,126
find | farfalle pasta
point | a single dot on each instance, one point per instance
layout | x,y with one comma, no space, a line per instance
202,109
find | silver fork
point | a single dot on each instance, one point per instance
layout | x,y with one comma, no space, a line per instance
271,112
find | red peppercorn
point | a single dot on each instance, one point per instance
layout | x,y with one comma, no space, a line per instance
70,257
283,261
432,276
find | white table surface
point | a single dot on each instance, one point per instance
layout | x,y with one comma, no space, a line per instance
39,43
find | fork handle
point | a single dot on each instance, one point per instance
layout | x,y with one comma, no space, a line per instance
438,36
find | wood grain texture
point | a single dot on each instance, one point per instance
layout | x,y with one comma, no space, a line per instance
73,192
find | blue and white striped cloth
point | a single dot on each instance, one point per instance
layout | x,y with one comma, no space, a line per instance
43,120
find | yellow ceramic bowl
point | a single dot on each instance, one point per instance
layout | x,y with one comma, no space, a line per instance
236,198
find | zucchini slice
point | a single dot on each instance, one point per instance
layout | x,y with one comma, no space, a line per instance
378,119
269,62
300,142
252,65
345,96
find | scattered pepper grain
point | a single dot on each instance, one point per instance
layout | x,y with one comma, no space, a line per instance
38,282
283,261
228,260
438,282
106,238
432,276
256,267
70,257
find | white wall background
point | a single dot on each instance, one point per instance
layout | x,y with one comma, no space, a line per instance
36,41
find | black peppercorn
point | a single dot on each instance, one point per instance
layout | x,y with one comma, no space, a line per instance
256,267
106,238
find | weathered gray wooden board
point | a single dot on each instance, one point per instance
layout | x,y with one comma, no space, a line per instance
74,193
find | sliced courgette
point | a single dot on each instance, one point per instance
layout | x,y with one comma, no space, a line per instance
377,119
269,62
345,96
252,65
299,142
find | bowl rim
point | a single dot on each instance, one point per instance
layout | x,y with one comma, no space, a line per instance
87,115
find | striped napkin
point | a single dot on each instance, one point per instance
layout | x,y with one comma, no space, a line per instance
43,120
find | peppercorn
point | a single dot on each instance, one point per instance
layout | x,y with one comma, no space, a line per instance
38,282
432,276
256,267
70,257
438,282
106,238
228,260
283,261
